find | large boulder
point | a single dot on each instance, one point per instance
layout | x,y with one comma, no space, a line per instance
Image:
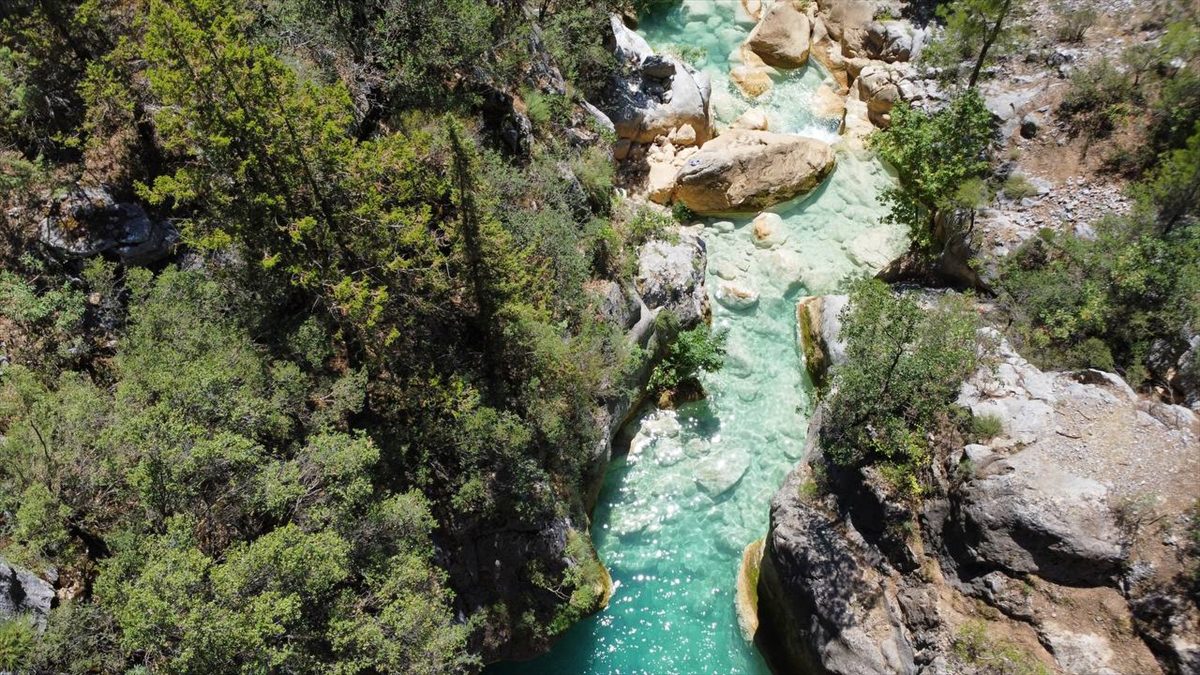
88,221
781,38
671,277
745,170
654,94
888,41
882,86
1026,516
22,593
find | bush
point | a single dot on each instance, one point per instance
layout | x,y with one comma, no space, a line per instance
692,352
985,427
1017,187
1100,96
1102,303
681,213
1073,23
975,647
904,366
16,643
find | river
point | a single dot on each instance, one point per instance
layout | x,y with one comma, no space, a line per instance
676,511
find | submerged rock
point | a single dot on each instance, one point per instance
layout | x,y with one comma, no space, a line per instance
753,119
736,297
717,474
744,170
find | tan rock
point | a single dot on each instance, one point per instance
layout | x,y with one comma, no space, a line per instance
753,8
827,102
781,37
683,136
753,119
879,85
754,81
744,170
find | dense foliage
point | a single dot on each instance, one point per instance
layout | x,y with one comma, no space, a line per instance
378,341
974,34
938,156
1127,298
1112,301
693,351
895,391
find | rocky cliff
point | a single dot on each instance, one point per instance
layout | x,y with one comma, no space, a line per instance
1058,545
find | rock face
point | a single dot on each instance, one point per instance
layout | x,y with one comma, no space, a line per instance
1027,522
823,607
818,333
671,277
87,221
781,38
22,593
1026,517
654,94
744,170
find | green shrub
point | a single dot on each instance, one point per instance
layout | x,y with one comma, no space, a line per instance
16,643
1073,22
984,427
692,352
1079,303
681,213
1017,186
1100,95
897,387
975,647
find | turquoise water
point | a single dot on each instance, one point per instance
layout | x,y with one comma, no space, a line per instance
675,513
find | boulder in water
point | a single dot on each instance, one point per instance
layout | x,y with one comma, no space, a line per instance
671,276
717,474
767,230
744,170
736,297
781,38
753,119
654,94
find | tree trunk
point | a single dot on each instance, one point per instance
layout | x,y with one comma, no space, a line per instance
988,41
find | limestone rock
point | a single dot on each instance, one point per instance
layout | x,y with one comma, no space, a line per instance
683,136
87,221
881,86
1025,516
767,230
753,81
819,327
717,474
823,607
888,41
671,276
781,38
753,119
654,94
743,170
23,593
736,297
1078,653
